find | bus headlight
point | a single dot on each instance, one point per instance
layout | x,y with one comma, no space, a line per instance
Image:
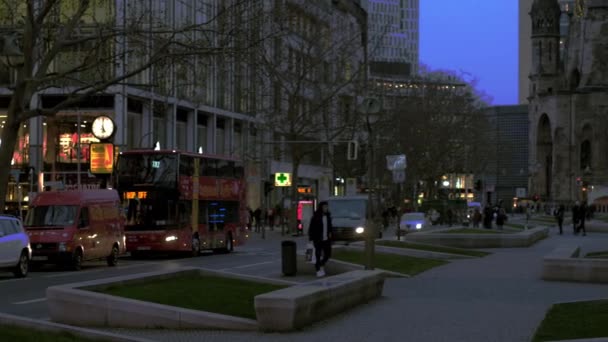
359,230
171,238
418,225
62,247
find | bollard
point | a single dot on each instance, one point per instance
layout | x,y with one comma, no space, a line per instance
289,263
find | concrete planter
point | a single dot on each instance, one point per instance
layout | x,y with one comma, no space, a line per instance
524,238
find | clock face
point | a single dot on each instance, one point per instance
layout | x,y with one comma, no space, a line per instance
103,127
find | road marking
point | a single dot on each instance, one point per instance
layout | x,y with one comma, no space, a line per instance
30,301
247,266
12,280
67,274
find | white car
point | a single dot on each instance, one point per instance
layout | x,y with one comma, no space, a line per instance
412,221
15,249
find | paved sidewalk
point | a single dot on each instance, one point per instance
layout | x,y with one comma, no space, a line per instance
497,298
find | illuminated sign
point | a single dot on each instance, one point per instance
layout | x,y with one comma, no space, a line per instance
156,164
304,190
135,194
102,158
282,179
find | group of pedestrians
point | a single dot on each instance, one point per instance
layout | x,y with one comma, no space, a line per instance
256,221
579,215
491,214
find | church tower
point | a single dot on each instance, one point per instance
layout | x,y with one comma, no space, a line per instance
545,15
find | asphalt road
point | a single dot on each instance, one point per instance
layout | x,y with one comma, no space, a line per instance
26,296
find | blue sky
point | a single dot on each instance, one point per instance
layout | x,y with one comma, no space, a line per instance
474,36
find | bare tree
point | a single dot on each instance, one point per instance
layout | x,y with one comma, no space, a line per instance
89,47
309,78
436,120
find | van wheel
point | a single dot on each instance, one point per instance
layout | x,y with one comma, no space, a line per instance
196,247
77,260
113,257
23,266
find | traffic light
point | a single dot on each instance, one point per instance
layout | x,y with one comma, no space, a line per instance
478,185
267,187
351,153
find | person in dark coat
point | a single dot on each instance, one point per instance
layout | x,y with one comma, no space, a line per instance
559,216
320,233
257,215
575,217
582,213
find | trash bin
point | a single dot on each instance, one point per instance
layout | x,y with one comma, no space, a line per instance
288,258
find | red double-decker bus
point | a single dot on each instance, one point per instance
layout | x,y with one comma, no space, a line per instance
181,202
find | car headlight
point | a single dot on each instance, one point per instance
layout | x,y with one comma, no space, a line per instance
62,247
418,225
171,238
359,230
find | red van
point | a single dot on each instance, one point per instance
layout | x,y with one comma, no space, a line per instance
69,227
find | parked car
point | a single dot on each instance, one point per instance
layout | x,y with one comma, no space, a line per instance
413,221
15,250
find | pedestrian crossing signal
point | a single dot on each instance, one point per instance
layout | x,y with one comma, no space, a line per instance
351,153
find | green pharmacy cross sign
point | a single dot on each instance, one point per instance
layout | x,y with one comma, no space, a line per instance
282,179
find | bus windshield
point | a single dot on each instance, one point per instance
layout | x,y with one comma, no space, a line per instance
158,170
51,216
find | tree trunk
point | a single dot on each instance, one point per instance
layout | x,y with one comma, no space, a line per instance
9,138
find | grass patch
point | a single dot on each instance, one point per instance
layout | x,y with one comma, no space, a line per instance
472,231
15,333
432,248
390,262
574,321
600,255
544,219
518,225
221,295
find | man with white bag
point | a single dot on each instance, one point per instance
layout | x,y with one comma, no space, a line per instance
320,233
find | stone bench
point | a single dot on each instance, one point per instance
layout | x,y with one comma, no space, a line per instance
464,240
564,263
294,307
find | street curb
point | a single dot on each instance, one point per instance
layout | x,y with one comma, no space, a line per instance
36,324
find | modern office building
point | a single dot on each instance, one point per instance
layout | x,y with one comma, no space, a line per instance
506,175
569,8
209,102
393,44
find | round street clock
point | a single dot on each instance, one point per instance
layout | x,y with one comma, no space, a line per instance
103,127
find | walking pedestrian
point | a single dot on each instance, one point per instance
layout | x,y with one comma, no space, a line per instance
582,213
559,216
320,233
476,218
257,214
575,217
501,216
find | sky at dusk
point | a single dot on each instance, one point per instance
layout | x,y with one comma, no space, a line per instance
473,36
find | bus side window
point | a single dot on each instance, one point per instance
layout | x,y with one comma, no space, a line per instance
225,168
202,212
183,212
186,165
209,167
239,170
